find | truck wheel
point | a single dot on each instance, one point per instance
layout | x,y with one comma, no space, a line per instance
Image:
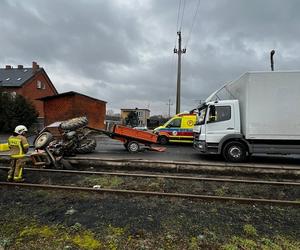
43,140
163,140
235,152
133,147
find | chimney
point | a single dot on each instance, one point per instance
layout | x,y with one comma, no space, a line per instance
20,66
35,66
8,67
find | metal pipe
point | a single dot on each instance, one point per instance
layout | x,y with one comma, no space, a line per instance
272,60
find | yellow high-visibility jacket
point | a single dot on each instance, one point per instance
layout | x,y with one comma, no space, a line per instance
18,146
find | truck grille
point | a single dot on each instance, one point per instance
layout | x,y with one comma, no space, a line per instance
196,136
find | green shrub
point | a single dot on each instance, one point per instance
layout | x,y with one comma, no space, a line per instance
16,110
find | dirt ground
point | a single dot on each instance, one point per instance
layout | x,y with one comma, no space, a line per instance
76,220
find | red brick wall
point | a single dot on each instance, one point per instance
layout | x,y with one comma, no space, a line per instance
31,92
58,109
66,107
94,110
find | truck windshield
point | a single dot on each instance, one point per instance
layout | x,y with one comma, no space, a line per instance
201,115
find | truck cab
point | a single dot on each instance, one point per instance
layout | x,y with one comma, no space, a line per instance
178,129
217,124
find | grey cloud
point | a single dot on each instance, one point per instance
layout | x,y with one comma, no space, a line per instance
122,51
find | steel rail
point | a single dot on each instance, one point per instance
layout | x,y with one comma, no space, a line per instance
160,194
175,177
178,163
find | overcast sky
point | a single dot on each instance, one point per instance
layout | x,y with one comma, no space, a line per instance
121,51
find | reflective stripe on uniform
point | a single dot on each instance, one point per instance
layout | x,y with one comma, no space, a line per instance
16,142
19,175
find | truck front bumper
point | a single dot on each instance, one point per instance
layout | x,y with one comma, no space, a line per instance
206,148
200,145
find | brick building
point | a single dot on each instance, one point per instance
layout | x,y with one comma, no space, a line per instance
32,83
72,104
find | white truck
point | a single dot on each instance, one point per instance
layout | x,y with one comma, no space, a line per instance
257,113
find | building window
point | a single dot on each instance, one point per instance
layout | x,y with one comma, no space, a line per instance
38,84
13,94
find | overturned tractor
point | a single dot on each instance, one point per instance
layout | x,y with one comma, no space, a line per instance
60,139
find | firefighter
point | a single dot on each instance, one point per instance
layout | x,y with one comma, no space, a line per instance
19,146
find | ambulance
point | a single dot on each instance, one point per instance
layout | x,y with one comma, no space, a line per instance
178,129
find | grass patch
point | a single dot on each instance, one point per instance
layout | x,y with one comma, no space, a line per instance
34,235
251,241
103,181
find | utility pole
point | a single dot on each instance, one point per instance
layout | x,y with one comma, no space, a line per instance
178,51
169,104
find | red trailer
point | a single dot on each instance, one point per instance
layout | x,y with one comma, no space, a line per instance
132,138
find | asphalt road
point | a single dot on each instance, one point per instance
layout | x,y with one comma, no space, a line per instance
109,148
113,149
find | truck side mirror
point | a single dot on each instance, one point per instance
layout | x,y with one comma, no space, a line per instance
212,114
212,110
211,119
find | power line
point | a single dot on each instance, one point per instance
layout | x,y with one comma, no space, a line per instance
177,23
183,8
179,8
193,23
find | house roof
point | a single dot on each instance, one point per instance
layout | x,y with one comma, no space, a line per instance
15,77
70,93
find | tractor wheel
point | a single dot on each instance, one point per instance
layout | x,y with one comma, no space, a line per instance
75,123
43,140
86,146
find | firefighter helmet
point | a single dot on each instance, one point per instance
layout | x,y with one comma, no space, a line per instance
20,129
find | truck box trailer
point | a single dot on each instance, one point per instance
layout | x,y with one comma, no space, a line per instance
257,113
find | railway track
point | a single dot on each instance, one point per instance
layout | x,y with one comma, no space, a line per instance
166,176
95,161
294,184
148,193
181,167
